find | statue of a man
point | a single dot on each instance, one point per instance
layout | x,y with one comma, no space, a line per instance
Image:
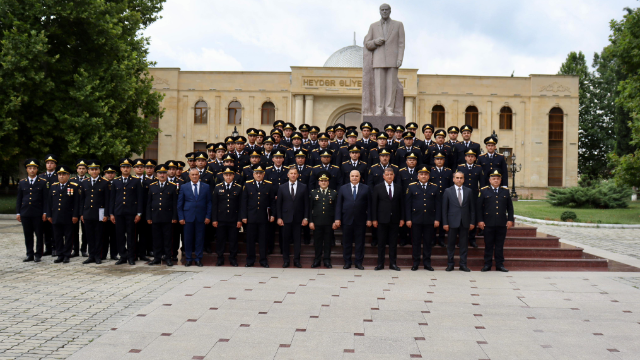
386,40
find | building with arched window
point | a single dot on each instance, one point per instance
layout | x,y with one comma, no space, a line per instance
535,116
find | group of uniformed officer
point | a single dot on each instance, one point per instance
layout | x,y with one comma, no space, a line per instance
135,215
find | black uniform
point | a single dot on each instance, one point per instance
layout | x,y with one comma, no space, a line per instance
215,166
343,154
315,157
446,150
219,179
77,245
442,177
461,148
348,166
277,178
492,162
423,206
322,210
336,176
31,205
290,156
225,210
177,228
494,201
47,227
401,153
258,204
126,203
109,239
162,210
376,173
374,157
95,196
407,176
64,205
143,229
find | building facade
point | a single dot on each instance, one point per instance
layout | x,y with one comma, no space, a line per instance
535,117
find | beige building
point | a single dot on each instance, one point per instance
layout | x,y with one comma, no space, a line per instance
535,117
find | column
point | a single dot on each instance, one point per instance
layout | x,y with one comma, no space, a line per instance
408,109
299,119
308,110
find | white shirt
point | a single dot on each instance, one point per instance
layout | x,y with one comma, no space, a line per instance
32,180
387,188
228,185
295,187
351,185
49,174
411,170
461,192
93,180
161,184
196,187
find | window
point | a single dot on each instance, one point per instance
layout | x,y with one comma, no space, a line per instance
152,149
471,116
268,113
506,118
235,113
200,115
352,118
437,116
200,146
556,136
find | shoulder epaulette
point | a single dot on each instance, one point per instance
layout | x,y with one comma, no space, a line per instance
447,168
482,188
135,177
220,184
153,183
25,179
413,183
364,162
210,172
236,184
270,167
459,165
375,165
346,161
41,179
317,166
404,168
483,154
172,183
343,146
246,166
268,182
432,184
117,178
72,183
394,165
506,187
335,166
55,183
250,181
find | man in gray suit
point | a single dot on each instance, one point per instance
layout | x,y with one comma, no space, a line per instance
386,40
458,217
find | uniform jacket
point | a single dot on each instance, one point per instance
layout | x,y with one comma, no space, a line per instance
336,176
126,199
472,177
304,175
257,204
192,209
461,149
400,160
322,206
374,158
376,173
406,177
276,177
32,199
64,204
447,151
226,203
162,204
237,179
423,206
347,167
495,209
315,157
443,178
491,164
94,197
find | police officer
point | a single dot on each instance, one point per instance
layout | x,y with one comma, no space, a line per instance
94,211
216,164
428,131
191,162
462,147
335,180
443,177
229,162
496,200
296,148
304,131
376,172
474,180
241,155
225,215
492,161
81,175
402,152
50,163
177,228
344,152
313,139
323,141
440,147
247,171
63,212
31,209
126,211
258,203
206,176
423,213
143,229
366,142
304,171
354,163
277,173
162,214
252,137
322,205
267,152
109,242
374,153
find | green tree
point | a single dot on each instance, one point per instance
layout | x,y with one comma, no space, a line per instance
74,78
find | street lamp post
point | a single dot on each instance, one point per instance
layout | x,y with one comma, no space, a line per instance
513,168
235,132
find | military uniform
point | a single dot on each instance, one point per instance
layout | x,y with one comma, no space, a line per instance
374,155
334,171
126,204
162,210
495,208
461,148
47,227
225,210
322,205
290,156
95,207
304,173
258,204
401,155
78,246
109,240
445,150
143,229
31,205
377,171
315,157
177,228
423,206
492,162
348,166
64,206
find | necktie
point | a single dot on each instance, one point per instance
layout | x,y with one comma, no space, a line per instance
30,181
125,180
354,193
460,195
390,193
195,190
424,187
93,182
161,186
411,172
496,191
200,173
228,187
258,185
62,187
293,192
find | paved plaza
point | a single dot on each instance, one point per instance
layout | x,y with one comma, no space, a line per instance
121,312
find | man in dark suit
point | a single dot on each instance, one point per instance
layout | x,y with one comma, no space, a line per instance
31,209
322,213
353,209
292,212
458,218
95,208
387,213
194,212
423,206
495,199
257,211
162,214
63,212
50,162
125,209
225,215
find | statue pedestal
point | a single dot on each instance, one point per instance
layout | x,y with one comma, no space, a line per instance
382,120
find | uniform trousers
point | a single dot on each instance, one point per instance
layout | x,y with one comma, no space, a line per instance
126,236
322,242
227,231
162,234
387,235
256,231
353,233
422,235
463,233
92,232
47,232
77,246
291,234
143,230
272,227
63,237
494,237
32,225
109,242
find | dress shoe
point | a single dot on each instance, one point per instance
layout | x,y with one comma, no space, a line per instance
169,263
449,268
75,254
315,264
27,259
66,260
144,258
220,262
58,260
264,265
379,267
121,261
248,265
414,268
37,259
359,267
428,267
98,261
199,263
327,264
115,258
486,268
188,263
394,267
84,254
374,244
474,245
233,262
347,266
501,268
132,262
88,261
297,264
285,264
465,269
47,252
155,262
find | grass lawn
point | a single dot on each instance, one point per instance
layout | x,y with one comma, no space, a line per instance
7,204
543,210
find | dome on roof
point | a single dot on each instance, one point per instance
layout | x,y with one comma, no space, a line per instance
348,56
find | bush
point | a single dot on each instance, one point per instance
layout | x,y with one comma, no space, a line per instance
568,215
598,194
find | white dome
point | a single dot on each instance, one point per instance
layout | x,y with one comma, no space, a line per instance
348,56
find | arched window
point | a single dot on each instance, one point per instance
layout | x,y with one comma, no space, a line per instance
437,116
556,137
235,113
506,118
200,116
352,118
471,116
268,113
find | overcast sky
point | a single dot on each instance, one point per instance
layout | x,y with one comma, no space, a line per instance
442,37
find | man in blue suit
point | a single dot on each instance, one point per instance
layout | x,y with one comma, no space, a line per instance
353,210
194,212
